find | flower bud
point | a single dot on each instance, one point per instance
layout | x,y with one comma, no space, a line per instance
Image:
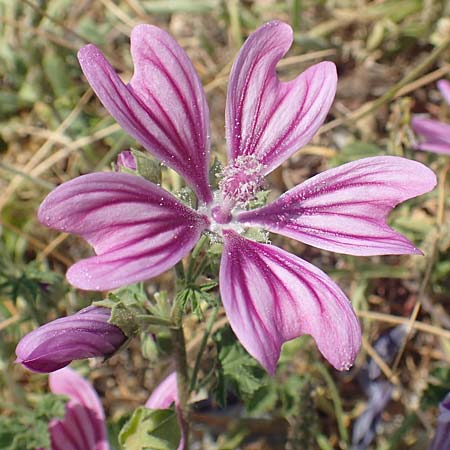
126,160
82,335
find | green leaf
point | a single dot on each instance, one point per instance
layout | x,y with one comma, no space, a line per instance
147,167
437,388
56,72
237,367
27,429
150,429
180,6
355,150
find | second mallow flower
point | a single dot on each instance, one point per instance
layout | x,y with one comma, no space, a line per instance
435,135
139,230
82,335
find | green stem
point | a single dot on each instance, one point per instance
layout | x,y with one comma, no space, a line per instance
179,271
203,343
296,9
235,22
179,353
147,319
339,411
203,263
192,260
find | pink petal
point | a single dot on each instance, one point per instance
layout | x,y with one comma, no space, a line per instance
268,118
435,147
165,394
271,296
345,209
137,229
83,427
436,135
444,88
163,107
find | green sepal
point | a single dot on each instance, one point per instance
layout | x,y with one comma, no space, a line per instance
130,315
147,167
259,201
123,314
257,234
150,429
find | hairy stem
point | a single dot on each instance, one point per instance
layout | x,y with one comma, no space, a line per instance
179,353
203,343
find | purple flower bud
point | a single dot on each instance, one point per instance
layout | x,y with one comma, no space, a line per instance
127,160
82,335
441,439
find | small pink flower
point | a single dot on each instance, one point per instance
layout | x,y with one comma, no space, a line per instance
165,394
139,230
435,134
83,427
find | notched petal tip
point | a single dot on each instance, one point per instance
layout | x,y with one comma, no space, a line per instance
345,209
267,118
138,230
274,27
144,29
271,296
163,106
328,70
79,275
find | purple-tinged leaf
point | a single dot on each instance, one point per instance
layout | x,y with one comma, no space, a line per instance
56,344
435,134
345,209
365,426
271,296
378,392
267,118
386,346
163,107
138,230
441,440
83,427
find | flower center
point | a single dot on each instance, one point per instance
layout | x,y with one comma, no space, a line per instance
242,179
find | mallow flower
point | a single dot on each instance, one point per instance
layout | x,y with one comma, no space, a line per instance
435,134
82,335
139,230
